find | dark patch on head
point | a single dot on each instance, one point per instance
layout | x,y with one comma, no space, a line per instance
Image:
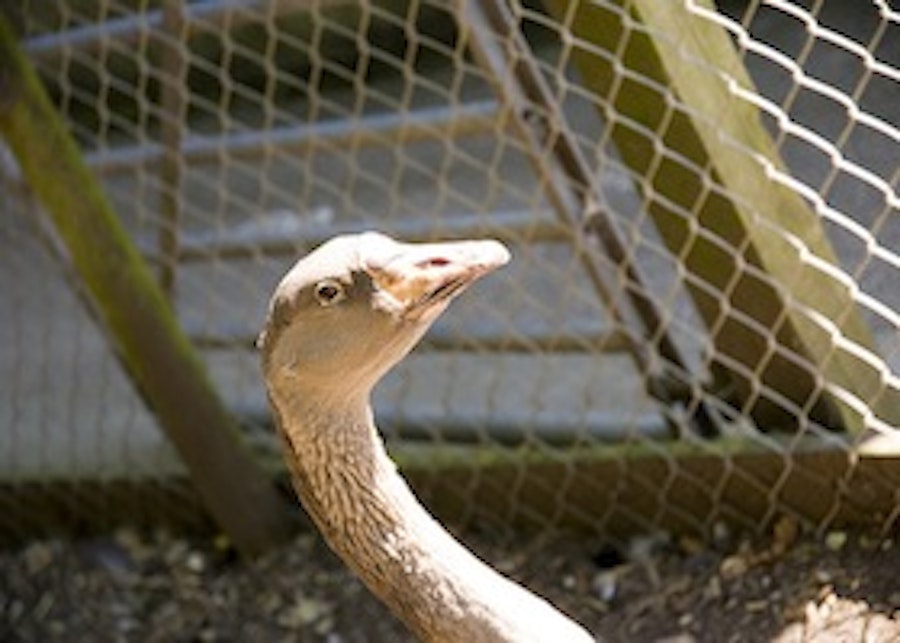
286,305
281,311
284,308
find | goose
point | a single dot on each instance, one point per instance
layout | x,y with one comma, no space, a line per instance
338,321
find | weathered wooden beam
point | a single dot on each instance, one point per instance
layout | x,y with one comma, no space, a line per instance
617,491
127,31
682,487
786,329
495,39
291,236
146,335
375,130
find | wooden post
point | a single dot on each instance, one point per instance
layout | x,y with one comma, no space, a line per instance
148,339
173,109
787,332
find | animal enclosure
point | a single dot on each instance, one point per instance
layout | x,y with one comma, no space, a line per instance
700,322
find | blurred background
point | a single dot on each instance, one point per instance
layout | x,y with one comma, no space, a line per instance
700,322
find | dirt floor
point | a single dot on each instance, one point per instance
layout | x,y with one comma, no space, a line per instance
787,587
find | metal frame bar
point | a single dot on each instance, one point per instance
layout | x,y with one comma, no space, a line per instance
499,46
368,131
209,14
512,225
173,87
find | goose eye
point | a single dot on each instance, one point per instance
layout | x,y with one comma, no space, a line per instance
329,292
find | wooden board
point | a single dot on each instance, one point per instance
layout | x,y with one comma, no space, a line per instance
610,492
143,329
759,264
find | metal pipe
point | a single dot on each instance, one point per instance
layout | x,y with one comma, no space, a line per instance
203,14
509,226
377,129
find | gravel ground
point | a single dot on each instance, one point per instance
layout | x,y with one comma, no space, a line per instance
130,587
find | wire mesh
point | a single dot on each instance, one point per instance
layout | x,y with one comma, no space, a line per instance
233,136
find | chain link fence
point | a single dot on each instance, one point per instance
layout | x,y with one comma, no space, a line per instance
700,321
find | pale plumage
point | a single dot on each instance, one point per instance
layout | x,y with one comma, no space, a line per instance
340,319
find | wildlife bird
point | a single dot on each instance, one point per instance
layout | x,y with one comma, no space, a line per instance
338,321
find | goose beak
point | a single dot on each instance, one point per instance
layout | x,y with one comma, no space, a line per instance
416,281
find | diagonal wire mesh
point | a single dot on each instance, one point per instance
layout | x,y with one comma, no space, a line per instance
701,319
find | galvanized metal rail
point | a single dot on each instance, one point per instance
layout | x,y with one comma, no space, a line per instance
502,50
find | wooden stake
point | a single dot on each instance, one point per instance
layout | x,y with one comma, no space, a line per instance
148,340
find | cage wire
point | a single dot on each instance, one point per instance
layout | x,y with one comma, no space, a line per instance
232,136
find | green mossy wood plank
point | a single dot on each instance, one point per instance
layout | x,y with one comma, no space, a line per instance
665,80
148,339
617,491
682,487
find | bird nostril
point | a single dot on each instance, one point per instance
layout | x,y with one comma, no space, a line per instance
434,262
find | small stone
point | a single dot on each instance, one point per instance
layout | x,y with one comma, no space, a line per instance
733,566
109,555
195,562
810,612
222,543
126,625
304,612
606,585
759,605
784,534
175,552
822,576
325,625
868,543
835,540
128,538
270,602
713,589
721,533
643,548
691,546
15,610
826,607
43,606
38,557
